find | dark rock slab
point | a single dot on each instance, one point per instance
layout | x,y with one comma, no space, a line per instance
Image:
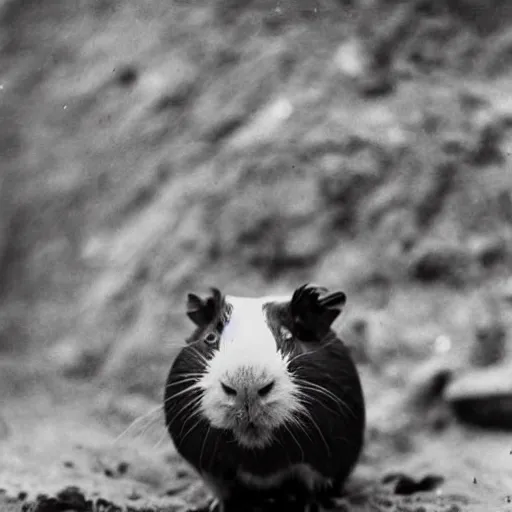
483,397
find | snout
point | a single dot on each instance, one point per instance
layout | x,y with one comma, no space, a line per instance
247,391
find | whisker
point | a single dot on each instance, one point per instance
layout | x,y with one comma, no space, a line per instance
147,428
201,357
328,394
182,392
215,449
186,376
183,381
194,426
203,445
307,399
320,348
295,439
193,403
135,422
164,435
315,424
296,421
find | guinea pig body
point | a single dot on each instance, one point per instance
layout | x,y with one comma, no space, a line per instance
264,400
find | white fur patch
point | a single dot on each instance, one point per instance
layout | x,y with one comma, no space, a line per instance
247,360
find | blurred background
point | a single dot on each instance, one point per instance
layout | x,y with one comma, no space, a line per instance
154,147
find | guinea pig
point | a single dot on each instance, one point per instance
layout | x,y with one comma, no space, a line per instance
264,400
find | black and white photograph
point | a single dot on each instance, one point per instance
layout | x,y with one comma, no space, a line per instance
255,255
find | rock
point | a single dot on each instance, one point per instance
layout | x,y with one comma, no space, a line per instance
483,397
440,261
406,485
70,498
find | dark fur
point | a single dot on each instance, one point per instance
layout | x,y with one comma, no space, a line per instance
207,314
324,361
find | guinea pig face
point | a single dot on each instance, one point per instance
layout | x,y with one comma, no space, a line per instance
247,387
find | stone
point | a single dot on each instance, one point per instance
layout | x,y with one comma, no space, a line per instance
483,397
440,262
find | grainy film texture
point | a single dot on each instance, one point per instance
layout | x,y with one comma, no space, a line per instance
149,148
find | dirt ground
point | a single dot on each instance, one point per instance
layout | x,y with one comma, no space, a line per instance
153,147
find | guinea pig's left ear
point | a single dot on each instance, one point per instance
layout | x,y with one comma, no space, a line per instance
313,310
203,311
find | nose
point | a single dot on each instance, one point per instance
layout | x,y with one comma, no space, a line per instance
249,389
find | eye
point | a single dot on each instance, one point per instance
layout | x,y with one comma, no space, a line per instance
285,334
265,390
211,338
228,390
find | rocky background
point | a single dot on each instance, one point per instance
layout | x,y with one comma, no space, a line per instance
152,147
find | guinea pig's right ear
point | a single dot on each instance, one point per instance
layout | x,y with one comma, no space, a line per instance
203,312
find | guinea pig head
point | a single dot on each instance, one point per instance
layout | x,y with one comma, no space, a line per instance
247,344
